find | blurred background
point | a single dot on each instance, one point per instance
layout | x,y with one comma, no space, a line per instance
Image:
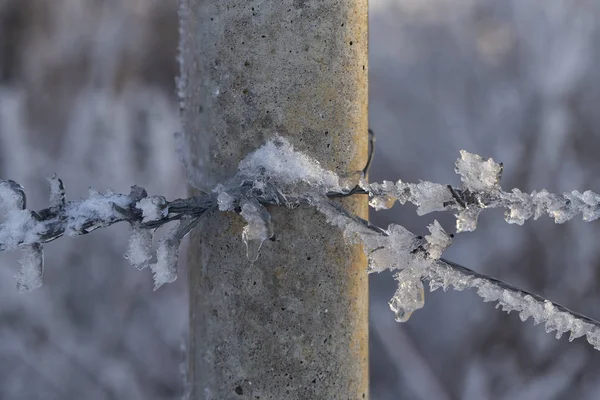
87,91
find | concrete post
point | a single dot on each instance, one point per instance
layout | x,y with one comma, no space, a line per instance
292,325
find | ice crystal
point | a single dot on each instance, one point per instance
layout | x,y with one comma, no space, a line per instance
409,296
94,212
478,174
12,195
225,201
153,208
32,267
278,160
437,241
259,227
57,192
555,318
164,269
139,252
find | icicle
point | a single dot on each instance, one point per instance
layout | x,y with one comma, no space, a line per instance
139,252
409,296
12,195
167,255
259,227
32,267
466,220
57,192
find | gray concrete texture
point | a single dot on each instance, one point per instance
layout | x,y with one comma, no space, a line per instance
292,325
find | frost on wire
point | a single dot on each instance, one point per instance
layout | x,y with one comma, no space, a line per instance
412,258
27,230
277,174
480,190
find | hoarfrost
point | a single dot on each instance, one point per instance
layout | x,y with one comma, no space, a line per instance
386,197
480,190
32,267
164,269
12,195
139,251
476,174
19,227
555,318
391,251
409,296
466,220
259,227
225,201
261,177
437,241
395,248
520,209
57,192
427,196
278,160
94,212
153,208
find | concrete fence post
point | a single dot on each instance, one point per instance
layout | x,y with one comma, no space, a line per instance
293,324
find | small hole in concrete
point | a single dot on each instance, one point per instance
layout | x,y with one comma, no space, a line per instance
240,391
351,43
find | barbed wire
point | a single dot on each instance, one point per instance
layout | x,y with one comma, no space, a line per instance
27,230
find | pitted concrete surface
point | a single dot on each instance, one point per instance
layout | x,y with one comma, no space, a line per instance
292,325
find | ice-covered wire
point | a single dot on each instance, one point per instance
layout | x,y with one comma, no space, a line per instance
276,174
481,190
420,264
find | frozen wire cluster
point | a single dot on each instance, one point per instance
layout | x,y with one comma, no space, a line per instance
412,258
481,190
27,230
277,174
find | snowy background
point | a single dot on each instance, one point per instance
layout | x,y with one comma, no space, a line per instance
87,91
